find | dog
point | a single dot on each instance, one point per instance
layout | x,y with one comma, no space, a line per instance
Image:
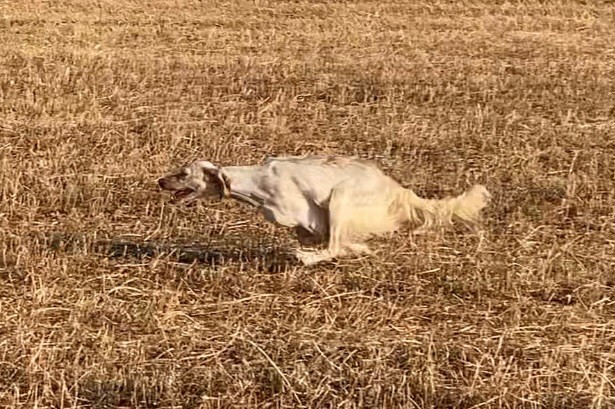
341,201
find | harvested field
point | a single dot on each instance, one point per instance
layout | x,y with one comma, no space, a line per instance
111,297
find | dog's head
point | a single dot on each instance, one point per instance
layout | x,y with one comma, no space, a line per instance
198,180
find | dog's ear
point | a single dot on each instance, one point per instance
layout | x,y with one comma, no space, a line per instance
225,184
218,175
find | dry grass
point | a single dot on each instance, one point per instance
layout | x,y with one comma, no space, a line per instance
110,297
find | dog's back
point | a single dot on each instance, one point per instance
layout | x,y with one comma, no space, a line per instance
320,160
316,176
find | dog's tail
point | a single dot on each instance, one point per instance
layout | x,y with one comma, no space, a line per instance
464,208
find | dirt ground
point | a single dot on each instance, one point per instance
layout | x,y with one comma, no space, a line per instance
112,297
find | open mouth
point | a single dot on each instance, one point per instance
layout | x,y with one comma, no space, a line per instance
181,194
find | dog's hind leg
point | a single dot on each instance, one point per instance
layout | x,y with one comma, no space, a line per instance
343,236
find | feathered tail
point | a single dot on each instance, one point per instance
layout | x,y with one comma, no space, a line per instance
464,208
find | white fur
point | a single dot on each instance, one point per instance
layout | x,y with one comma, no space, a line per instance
344,199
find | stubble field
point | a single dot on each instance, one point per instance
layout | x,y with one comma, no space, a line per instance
111,297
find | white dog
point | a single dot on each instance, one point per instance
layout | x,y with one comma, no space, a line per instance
339,199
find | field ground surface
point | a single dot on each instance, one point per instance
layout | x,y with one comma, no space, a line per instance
112,297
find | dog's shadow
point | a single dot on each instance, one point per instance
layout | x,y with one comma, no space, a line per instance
264,255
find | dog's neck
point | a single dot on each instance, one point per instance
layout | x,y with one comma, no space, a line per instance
244,184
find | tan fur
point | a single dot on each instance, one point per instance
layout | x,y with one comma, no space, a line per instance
339,199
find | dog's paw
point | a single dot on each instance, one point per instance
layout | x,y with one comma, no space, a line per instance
309,258
360,249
